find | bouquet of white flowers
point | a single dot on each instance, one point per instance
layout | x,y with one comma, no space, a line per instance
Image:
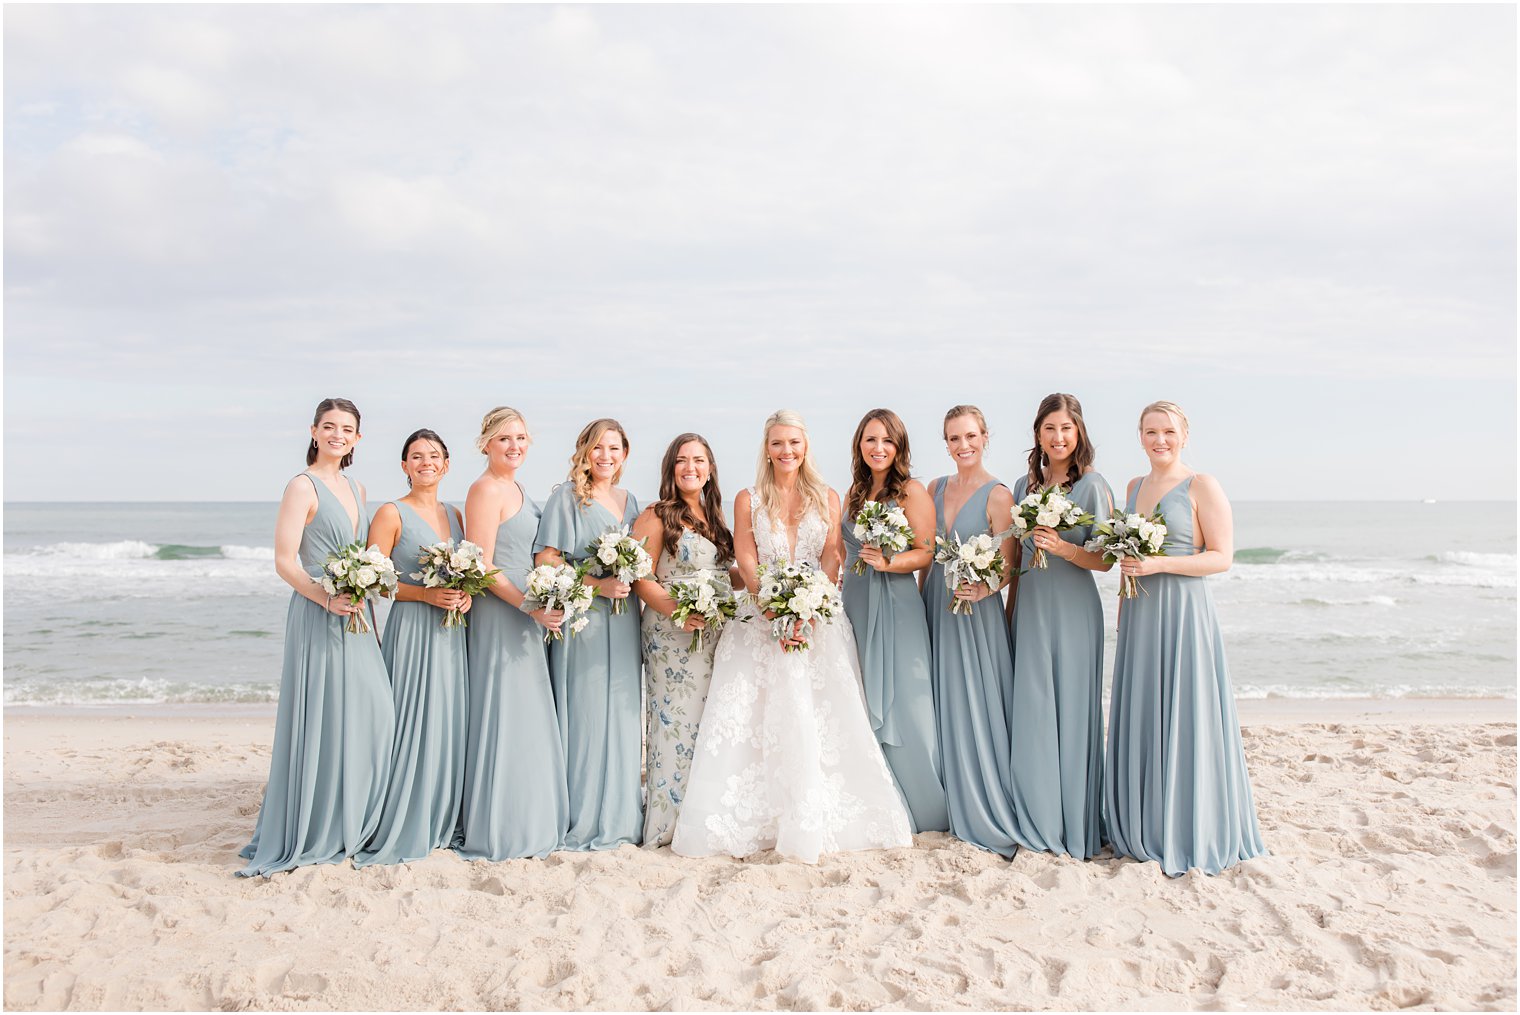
462,567
796,592
969,561
559,587
703,594
885,528
615,553
1051,508
358,572
1129,535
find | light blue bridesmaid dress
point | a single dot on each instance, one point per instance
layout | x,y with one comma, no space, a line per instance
971,672
334,726
1176,787
892,638
429,678
598,687
515,802
1056,765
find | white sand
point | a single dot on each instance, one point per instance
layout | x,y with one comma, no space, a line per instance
1391,884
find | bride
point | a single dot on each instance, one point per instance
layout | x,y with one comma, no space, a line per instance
785,758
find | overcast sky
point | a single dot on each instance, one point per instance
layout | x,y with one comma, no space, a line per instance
1297,221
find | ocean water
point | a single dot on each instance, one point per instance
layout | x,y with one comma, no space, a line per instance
161,603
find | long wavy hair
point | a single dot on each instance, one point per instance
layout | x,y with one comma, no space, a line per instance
810,482
675,514
1081,459
898,473
580,459
325,406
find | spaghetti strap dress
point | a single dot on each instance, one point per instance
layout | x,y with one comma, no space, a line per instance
515,801
430,688
1176,789
972,674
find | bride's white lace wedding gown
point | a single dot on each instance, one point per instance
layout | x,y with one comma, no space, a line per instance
785,757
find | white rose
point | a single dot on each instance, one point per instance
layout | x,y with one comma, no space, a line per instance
366,577
339,568
984,561
1051,518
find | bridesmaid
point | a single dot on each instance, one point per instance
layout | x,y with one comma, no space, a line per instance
970,666
1177,790
427,664
1056,769
333,730
596,674
515,802
887,613
685,528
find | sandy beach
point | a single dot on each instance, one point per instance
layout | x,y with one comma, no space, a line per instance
1391,884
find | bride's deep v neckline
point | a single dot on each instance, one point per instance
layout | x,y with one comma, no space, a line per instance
798,542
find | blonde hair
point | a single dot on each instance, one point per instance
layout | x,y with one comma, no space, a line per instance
810,482
1171,409
965,410
494,422
580,459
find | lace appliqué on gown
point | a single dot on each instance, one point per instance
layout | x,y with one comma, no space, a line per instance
786,758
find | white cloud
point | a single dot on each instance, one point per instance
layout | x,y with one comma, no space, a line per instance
746,198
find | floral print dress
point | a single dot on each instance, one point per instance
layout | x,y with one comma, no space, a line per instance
676,680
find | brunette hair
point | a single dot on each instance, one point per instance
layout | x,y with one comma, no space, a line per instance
809,480
422,435
1081,459
675,514
493,422
580,458
861,476
323,407
965,410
